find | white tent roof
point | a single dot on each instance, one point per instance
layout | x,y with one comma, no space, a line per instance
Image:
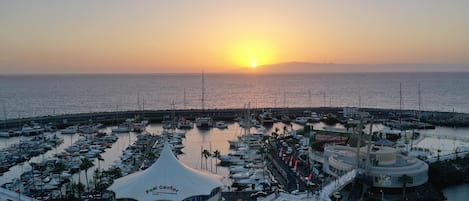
166,179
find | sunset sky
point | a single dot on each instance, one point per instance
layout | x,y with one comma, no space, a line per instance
221,36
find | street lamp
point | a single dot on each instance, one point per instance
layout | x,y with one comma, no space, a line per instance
382,194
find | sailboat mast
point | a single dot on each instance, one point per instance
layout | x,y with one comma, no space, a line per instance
420,100
138,101
285,99
359,100
248,118
4,116
400,104
143,106
324,98
203,92
400,96
184,98
173,119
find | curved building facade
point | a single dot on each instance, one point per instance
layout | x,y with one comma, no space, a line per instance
387,167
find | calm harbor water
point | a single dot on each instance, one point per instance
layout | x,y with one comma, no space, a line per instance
25,96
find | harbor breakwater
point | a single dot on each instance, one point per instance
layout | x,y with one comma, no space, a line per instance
432,117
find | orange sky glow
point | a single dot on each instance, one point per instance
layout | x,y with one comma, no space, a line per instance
191,36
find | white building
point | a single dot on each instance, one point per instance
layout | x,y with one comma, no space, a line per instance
386,169
168,179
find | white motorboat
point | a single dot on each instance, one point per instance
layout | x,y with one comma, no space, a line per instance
238,168
184,124
65,175
87,129
255,178
139,126
255,165
5,134
266,118
221,125
204,122
238,153
122,128
70,130
242,175
301,120
236,144
168,122
315,117
235,157
178,146
248,123
32,130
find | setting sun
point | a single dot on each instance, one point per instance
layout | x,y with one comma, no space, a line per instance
253,64
251,54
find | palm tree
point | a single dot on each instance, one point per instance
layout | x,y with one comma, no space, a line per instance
96,178
405,179
216,155
85,165
80,188
206,154
275,135
100,158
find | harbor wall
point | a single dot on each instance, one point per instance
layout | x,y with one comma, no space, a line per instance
437,118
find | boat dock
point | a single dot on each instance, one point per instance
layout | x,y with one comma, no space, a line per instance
436,118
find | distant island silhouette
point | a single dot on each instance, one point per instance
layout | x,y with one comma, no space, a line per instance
307,67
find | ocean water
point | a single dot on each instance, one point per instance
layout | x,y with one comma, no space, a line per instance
33,95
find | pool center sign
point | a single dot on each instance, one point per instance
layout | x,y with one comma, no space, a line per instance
162,189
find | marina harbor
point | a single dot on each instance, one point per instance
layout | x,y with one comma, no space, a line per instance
234,100
253,154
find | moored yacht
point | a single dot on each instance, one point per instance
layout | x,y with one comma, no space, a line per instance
266,118
122,128
35,129
221,125
70,130
5,134
301,120
204,122
184,124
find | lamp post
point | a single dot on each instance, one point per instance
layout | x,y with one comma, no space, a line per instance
382,194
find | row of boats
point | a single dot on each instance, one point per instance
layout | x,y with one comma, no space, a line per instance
32,129
200,122
46,178
129,125
146,149
29,129
246,162
26,149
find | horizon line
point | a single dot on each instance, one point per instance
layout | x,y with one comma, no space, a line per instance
229,73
